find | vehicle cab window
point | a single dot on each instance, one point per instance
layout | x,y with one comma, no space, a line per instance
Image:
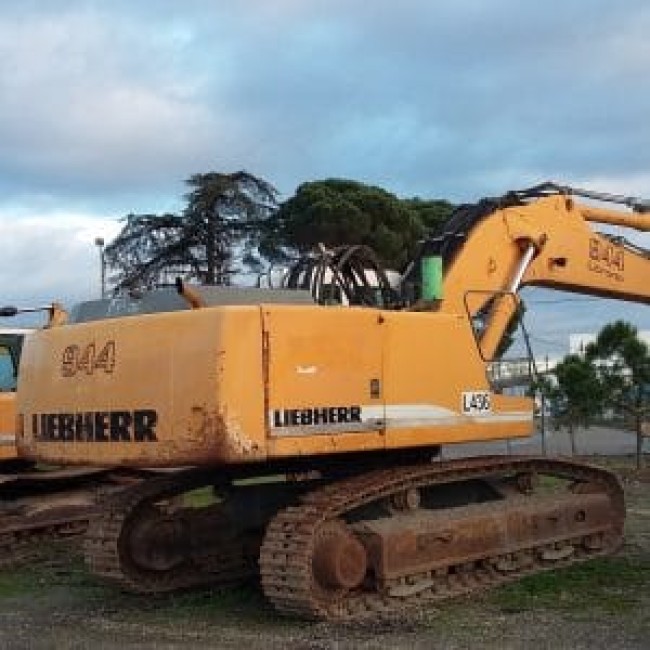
8,374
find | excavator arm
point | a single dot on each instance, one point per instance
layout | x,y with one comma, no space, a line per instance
583,260
539,237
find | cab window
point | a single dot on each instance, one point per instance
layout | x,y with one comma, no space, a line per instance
7,370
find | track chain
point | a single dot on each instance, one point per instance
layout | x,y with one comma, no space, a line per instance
107,557
23,533
286,554
23,541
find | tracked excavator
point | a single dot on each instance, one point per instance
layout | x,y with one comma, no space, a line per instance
309,434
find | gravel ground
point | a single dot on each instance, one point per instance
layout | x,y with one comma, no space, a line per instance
55,604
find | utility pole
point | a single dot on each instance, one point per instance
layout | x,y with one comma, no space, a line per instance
99,242
543,406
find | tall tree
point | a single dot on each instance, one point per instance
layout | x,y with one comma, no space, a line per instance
337,212
578,396
622,362
223,218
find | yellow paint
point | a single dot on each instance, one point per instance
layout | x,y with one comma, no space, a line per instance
8,449
215,376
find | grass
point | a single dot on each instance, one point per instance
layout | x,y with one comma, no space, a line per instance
609,585
200,498
246,603
15,584
58,580
208,495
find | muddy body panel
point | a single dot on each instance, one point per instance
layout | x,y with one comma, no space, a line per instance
168,389
245,384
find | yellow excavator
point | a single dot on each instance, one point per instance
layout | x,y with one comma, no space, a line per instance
312,432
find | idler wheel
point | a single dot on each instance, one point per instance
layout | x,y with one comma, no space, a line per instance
157,542
339,560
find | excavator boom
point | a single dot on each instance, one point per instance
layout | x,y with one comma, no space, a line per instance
539,237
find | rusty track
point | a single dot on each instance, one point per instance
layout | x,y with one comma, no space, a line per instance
21,539
287,554
39,507
144,540
224,559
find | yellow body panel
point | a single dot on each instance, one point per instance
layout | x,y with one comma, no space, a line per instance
198,370
241,384
431,360
8,449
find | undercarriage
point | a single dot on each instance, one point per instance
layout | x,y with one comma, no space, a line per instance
39,506
345,548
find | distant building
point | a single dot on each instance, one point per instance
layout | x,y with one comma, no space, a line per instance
579,342
514,374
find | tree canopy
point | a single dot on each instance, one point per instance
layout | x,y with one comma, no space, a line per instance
578,396
622,362
235,218
337,212
222,220
613,373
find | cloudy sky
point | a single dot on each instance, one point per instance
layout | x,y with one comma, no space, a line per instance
106,107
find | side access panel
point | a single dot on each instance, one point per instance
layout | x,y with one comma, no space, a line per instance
323,380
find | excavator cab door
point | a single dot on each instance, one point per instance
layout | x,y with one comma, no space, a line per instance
323,373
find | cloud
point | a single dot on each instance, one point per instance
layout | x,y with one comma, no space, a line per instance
552,316
447,99
52,257
93,103
107,107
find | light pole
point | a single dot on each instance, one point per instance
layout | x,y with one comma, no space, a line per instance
99,242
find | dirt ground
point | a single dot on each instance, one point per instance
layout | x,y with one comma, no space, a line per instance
603,604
